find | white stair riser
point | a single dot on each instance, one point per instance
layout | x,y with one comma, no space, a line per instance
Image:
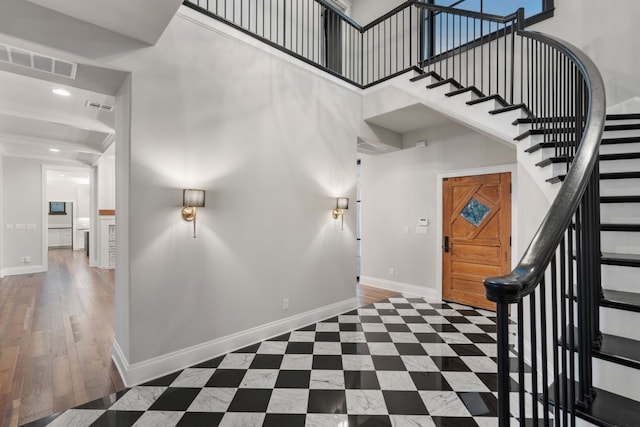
443,89
619,187
623,122
622,242
620,213
620,322
621,133
621,165
620,278
617,379
633,147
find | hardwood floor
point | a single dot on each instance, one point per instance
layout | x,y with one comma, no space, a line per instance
368,294
56,336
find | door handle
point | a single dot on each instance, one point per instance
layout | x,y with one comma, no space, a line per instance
446,243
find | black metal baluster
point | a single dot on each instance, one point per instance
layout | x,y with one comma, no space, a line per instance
521,368
554,336
502,311
543,345
571,392
564,385
534,356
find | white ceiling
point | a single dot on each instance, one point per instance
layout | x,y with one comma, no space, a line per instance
33,120
409,118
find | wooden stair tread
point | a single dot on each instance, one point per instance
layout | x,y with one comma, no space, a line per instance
510,108
607,409
606,175
628,301
619,227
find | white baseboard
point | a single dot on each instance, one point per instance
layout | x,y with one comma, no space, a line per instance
29,269
405,288
147,370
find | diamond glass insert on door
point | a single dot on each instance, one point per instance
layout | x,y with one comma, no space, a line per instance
474,212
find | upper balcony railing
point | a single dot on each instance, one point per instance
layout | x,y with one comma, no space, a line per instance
556,285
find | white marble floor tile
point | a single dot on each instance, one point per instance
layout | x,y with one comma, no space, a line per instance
354,362
385,305
392,380
241,419
383,349
468,328
302,336
260,378
348,318
480,363
138,399
158,418
406,337
438,349
327,348
411,421
273,347
193,377
421,328
371,402
392,319
327,420
327,379
297,361
374,327
77,418
454,338
367,312
480,320
447,312
212,399
436,320
237,361
328,327
490,350
352,337
465,381
444,403
289,401
407,312
419,364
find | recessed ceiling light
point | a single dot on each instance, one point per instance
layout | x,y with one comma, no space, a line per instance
61,92
55,150
62,174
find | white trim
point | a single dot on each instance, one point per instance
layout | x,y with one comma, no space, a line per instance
140,372
631,105
513,168
29,269
204,21
405,288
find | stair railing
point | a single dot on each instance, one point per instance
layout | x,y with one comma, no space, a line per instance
561,93
559,273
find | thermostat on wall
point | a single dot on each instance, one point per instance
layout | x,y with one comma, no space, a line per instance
423,222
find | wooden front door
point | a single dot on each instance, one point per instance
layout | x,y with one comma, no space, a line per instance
477,233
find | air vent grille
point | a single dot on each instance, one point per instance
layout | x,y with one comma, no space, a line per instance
36,61
368,147
99,106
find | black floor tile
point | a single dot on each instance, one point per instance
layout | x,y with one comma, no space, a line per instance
369,421
266,361
426,337
410,349
387,312
284,420
454,422
293,379
327,336
361,380
117,419
250,400
327,402
427,312
479,338
197,419
489,328
480,404
299,348
444,327
413,319
370,319
469,313
466,350
350,327
355,348
450,364
249,349
388,363
397,327
377,337
402,305
430,381
404,402
308,328
327,361
175,399
457,319
283,337
163,381
212,363
226,378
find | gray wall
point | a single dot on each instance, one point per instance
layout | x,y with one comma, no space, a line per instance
400,187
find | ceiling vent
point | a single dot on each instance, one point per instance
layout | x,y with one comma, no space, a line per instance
36,61
369,147
99,106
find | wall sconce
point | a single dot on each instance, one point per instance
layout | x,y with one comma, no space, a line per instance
342,203
191,199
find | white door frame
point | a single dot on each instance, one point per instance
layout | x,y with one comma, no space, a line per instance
513,168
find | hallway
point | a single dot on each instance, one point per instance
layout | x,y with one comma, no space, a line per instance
56,335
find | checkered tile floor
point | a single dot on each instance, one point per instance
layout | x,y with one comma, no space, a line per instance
400,362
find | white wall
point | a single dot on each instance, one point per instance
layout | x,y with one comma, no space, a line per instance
273,145
22,204
106,182
400,187
365,11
